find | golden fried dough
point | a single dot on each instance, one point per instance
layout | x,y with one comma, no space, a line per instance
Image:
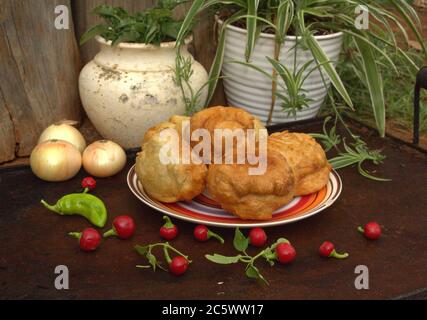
220,117
253,197
168,182
306,158
175,122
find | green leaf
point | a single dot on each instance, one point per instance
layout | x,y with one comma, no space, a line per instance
240,242
215,70
171,28
142,250
321,58
251,27
152,260
284,18
195,8
406,11
374,81
217,258
92,32
253,273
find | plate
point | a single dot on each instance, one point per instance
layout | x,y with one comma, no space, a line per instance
204,210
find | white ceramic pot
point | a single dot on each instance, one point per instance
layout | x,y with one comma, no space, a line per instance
251,90
128,88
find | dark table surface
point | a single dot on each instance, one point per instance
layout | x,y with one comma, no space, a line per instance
34,241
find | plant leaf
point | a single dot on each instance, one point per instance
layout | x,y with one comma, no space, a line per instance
92,32
240,242
321,58
188,20
374,82
152,260
253,273
142,250
251,27
217,258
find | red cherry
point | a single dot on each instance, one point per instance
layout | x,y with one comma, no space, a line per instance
257,237
285,253
89,183
326,248
89,239
124,226
178,265
371,231
168,231
201,233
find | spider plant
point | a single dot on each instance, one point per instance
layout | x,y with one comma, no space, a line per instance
306,19
294,97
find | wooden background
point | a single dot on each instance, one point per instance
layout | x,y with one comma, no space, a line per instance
39,65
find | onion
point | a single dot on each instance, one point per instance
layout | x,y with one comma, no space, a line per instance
55,160
104,158
64,130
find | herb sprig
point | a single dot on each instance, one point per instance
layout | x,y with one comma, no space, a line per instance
241,244
151,26
356,153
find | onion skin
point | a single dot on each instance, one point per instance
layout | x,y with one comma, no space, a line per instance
55,160
104,158
64,132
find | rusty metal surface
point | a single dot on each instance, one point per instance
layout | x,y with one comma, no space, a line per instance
33,241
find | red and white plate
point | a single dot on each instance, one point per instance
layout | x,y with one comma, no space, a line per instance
204,210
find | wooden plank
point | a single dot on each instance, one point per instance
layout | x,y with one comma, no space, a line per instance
39,69
7,134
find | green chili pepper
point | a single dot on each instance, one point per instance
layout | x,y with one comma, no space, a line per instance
83,204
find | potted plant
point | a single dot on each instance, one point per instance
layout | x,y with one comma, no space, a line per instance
139,78
279,37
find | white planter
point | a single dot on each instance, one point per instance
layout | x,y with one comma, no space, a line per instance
129,88
251,90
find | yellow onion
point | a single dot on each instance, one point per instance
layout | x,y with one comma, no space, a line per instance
104,158
55,160
64,130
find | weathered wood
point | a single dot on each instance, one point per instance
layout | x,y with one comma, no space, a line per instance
203,45
38,70
7,140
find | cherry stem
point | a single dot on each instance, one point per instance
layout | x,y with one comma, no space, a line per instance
168,223
360,229
86,190
216,236
77,235
166,244
337,255
167,256
109,233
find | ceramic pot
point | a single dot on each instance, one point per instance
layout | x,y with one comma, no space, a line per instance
128,88
251,90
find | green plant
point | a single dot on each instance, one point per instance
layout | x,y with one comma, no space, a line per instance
357,153
295,98
399,88
306,18
241,243
151,26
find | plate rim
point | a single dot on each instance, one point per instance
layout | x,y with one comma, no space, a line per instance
252,224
